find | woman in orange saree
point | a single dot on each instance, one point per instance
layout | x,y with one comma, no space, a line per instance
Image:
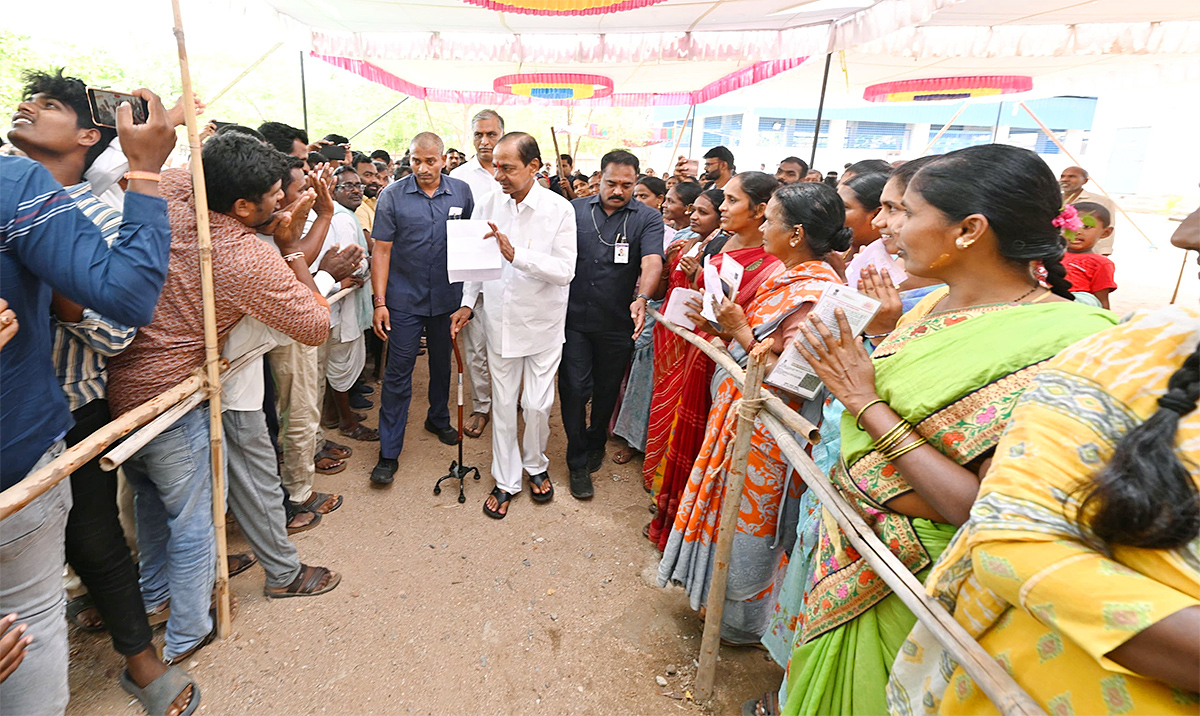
804,223
740,240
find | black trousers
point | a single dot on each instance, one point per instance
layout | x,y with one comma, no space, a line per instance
96,546
593,365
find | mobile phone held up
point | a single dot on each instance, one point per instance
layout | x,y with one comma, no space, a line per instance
334,152
104,105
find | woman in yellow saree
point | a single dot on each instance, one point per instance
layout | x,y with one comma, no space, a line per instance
1079,569
925,410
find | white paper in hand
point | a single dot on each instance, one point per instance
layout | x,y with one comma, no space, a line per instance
470,257
677,308
731,274
792,371
874,254
712,291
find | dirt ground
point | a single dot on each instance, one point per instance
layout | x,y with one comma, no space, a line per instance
443,611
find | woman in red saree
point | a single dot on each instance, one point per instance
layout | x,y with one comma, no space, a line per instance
741,239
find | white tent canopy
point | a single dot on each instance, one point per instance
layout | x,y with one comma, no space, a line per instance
688,51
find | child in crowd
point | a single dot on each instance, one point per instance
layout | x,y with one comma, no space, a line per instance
1090,272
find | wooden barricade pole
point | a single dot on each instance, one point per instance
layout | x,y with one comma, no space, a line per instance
943,130
211,351
245,72
735,480
37,483
675,151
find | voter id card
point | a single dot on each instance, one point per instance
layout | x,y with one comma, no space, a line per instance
621,253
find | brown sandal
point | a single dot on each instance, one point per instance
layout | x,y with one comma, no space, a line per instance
306,584
316,520
317,501
474,433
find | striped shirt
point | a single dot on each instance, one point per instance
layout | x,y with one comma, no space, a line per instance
81,350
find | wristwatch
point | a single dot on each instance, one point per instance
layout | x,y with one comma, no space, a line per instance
643,296
378,301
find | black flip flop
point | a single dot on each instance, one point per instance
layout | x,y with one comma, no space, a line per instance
501,498
537,481
247,561
75,606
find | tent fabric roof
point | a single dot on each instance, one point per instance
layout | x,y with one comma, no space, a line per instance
684,51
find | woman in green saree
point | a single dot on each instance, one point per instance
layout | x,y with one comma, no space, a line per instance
925,410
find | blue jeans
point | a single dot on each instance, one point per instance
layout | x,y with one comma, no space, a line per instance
31,559
172,481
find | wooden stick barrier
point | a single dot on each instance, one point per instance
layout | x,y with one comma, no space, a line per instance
774,405
735,481
1008,696
128,447
37,483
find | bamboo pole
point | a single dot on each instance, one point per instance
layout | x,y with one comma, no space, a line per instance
812,157
774,405
731,505
1179,281
211,349
37,483
675,151
129,447
1008,696
1064,150
245,72
563,181
943,129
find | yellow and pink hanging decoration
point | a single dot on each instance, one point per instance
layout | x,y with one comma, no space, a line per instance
555,85
563,7
947,88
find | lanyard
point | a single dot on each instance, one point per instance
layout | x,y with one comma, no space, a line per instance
624,228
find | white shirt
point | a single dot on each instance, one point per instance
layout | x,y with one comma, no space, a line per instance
527,305
343,315
481,181
244,390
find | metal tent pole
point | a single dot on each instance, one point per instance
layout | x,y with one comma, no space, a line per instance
812,158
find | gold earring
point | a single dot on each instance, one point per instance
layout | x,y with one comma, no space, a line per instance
963,244
795,239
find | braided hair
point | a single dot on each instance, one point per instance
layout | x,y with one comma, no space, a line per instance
1145,496
1017,193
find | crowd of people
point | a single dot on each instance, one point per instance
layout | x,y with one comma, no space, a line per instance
1027,455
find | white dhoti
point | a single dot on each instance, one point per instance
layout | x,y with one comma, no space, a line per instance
531,377
345,362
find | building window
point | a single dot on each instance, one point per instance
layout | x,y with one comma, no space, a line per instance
960,136
670,130
785,132
875,135
1036,139
725,129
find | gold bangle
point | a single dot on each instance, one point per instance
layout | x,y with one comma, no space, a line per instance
905,450
858,418
893,437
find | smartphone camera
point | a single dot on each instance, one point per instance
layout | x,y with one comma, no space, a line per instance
104,105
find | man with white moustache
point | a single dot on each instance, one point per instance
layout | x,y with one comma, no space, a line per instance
525,322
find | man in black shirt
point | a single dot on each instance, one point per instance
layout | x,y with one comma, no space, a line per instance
618,240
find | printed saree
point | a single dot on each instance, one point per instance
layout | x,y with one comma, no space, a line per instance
761,527
683,397
1022,577
955,375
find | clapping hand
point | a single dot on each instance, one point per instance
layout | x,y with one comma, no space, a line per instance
320,180
878,285
842,363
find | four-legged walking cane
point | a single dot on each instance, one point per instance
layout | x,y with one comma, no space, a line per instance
458,471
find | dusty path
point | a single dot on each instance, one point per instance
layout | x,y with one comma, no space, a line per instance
444,611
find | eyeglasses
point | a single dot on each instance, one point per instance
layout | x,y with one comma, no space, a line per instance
349,186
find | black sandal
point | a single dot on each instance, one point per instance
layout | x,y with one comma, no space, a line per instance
239,562
502,498
537,481
82,604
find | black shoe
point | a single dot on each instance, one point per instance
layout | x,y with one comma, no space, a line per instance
447,435
581,484
595,460
384,471
361,388
358,402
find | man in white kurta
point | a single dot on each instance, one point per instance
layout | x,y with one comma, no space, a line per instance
526,316
486,129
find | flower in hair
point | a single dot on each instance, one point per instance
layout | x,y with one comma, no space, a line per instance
1068,220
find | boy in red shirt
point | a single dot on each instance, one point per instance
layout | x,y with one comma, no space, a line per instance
1089,272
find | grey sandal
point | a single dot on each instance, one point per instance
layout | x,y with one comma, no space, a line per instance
159,694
